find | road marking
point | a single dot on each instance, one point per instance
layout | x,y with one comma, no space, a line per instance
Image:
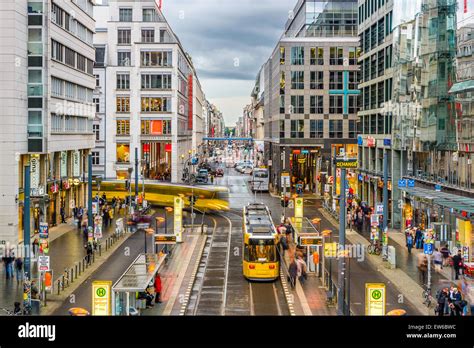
252,309
224,302
276,298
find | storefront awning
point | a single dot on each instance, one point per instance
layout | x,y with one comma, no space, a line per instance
139,274
443,199
461,87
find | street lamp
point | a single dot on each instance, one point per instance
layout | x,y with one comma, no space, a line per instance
130,170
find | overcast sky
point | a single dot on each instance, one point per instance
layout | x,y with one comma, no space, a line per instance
228,40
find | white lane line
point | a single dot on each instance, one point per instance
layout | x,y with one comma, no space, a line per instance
276,298
252,309
224,302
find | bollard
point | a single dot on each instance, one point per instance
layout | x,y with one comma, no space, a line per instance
83,268
100,250
59,285
106,244
75,266
72,275
93,257
62,285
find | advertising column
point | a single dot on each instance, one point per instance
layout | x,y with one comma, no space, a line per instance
178,219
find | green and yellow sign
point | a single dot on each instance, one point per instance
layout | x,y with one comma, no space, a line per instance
299,207
375,301
101,297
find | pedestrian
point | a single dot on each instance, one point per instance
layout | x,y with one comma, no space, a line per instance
80,213
89,251
409,242
418,238
34,290
455,303
19,269
445,252
443,299
422,267
437,260
301,268
35,247
458,265
157,288
63,215
293,273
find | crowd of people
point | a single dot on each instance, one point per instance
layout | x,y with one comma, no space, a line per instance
455,301
152,294
13,266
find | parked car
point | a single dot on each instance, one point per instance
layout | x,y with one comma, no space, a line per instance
220,172
202,176
247,169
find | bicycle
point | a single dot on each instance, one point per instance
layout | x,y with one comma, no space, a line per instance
428,299
374,249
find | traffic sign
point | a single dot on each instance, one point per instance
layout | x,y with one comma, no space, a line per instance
299,207
379,208
43,263
402,183
165,239
43,230
101,297
428,248
375,299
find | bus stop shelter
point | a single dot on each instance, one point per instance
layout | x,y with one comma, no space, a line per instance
137,278
307,236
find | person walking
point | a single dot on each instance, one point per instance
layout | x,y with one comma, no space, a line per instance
293,273
458,264
438,260
418,238
409,242
63,215
157,288
301,268
89,251
445,252
443,299
422,267
35,247
456,298
19,269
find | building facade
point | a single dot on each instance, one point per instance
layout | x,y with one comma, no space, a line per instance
48,54
310,94
152,99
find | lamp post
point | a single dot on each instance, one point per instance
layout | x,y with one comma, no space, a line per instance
130,170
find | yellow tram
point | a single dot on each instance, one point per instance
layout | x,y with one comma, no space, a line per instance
260,255
214,198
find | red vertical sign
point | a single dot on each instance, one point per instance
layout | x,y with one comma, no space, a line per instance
465,6
190,101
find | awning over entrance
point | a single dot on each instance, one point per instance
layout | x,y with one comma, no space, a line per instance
443,199
140,273
460,87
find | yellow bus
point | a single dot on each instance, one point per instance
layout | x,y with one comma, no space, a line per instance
260,257
212,198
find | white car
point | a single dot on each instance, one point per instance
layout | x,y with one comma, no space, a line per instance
247,169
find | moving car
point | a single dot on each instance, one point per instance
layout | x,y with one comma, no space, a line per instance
220,172
247,169
202,177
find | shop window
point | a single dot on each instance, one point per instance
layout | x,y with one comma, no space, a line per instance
123,153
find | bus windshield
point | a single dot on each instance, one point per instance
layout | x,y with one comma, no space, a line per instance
261,250
260,174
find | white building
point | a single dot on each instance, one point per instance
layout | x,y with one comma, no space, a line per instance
148,95
47,55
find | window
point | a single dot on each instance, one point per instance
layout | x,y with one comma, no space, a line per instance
123,81
97,104
282,55
123,58
96,130
353,104
124,36
316,80
316,129
70,57
336,80
123,127
89,66
156,104
282,128
373,66
354,54
282,104
156,81
149,15
57,86
123,104
373,36
148,35
81,62
156,127
165,36
335,104
282,82
297,104
57,51
353,77
335,129
123,153
388,57
352,129
380,29
317,56
297,128
95,158
125,15
297,80
158,58
366,98
97,80
380,63
380,125
297,55
373,96
316,104
70,90
336,56
57,15
380,95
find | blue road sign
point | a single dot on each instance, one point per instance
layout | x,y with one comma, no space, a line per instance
402,183
411,183
438,188
428,248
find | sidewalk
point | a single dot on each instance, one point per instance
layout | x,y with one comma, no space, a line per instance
308,298
66,244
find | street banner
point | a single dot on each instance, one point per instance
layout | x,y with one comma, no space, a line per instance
43,263
299,207
34,171
43,230
98,227
379,208
178,219
374,220
95,208
375,299
101,297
